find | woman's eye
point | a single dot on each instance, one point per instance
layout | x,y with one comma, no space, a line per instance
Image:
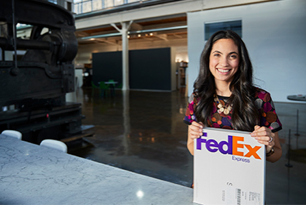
217,54
233,56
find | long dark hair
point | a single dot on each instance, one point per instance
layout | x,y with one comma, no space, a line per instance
245,115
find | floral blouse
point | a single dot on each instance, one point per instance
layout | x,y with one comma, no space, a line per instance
263,102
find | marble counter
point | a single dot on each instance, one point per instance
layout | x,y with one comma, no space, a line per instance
31,174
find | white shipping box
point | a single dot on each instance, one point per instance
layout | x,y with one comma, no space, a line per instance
229,168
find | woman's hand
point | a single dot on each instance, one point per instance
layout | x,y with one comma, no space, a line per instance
195,130
265,136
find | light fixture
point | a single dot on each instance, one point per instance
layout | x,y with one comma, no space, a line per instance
151,34
139,35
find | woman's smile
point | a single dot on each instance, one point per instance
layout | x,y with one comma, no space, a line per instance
223,71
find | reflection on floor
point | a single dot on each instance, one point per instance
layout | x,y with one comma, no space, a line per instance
143,132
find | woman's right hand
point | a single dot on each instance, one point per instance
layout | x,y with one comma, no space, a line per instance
195,130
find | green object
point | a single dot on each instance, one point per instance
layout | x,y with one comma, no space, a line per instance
103,85
104,89
111,81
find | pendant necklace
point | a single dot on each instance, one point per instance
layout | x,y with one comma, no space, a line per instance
226,109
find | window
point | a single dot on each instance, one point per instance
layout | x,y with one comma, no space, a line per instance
119,2
87,6
53,1
84,6
211,28
96,5
108,3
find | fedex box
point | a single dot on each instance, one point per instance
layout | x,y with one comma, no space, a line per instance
229,168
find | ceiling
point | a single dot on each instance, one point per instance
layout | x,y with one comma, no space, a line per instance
166,28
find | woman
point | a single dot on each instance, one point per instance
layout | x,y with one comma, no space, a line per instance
225,97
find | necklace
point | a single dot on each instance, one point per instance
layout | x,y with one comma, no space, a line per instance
226,109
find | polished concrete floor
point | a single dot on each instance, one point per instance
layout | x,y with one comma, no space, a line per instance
143,132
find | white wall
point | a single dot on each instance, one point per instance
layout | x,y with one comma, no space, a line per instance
275,35
79,76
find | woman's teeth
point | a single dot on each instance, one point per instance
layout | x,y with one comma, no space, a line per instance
223,71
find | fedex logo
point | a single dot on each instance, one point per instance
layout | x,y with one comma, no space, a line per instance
231,146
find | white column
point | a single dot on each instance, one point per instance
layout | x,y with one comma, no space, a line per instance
125,53
125,57
126,120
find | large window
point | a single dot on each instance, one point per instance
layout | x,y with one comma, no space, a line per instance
108,3
211,28
85,6
97,4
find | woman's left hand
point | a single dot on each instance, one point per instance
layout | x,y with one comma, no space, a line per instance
264,136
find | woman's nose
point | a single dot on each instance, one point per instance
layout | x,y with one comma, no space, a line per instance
224,62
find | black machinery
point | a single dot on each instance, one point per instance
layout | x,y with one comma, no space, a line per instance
33,86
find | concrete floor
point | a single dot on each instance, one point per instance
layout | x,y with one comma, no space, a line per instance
143,132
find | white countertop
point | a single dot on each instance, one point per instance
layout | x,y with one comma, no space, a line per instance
31,174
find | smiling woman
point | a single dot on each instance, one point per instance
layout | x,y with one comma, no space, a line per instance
225,97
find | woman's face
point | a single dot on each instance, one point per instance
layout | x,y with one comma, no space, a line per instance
224,60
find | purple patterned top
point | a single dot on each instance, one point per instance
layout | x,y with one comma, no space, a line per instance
263,102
